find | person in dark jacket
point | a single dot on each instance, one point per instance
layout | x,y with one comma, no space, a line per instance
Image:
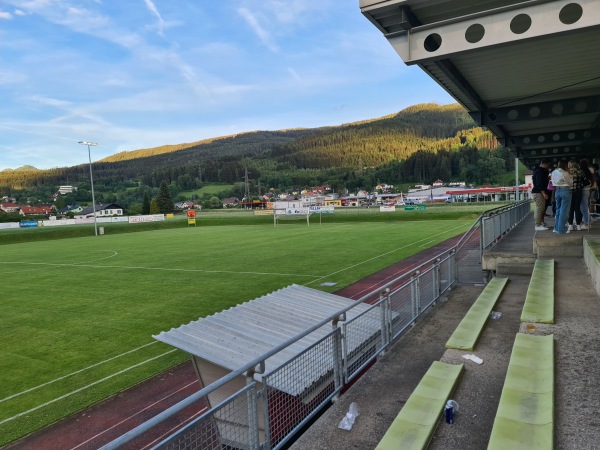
540,193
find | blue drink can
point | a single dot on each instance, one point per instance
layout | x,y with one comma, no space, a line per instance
449,412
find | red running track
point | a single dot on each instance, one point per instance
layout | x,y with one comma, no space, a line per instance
105,421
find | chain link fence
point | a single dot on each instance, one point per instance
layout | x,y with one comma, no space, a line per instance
272,407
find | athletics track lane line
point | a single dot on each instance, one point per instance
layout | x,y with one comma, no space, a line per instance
178,426
136,414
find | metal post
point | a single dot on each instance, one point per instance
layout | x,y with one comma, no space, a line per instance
436,279
516,180
92,181
251,397
415,295
386,326
338,357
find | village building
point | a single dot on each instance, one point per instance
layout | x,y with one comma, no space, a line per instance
9,207
102,210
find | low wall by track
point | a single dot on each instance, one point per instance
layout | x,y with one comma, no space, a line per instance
591,256
82,221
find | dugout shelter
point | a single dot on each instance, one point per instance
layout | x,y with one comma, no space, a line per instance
225,341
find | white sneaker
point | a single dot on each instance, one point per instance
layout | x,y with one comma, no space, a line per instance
570,228
584,227
541,228
578,227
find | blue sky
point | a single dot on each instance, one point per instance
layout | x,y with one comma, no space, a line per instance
133,74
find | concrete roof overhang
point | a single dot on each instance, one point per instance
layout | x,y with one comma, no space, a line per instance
529,71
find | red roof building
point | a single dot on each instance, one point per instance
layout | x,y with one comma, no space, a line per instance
35,210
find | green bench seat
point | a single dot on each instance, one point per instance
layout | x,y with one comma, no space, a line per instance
469,329
525,417
415,424
539,301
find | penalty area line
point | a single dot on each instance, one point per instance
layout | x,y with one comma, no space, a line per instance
16,416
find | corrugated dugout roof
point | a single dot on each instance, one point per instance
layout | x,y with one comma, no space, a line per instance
236,336
527,70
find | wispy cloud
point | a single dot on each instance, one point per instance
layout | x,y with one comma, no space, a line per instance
263,34
5,15
152,8
11,77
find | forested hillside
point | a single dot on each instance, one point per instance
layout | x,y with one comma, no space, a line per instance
419,144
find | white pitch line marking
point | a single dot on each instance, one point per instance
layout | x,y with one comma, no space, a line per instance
166,269
379,256
16,416
76,372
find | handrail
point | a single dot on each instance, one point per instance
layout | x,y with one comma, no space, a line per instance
258,361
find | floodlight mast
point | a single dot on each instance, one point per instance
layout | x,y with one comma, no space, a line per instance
92,144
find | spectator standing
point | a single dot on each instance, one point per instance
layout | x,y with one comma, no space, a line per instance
589,184
540,193
595,194
574,217
561,179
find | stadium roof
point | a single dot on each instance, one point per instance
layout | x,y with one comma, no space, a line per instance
529,71
236,336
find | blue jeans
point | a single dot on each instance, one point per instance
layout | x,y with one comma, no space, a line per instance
563,204
585,209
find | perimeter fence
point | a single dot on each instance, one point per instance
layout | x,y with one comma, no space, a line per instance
487,230
272,407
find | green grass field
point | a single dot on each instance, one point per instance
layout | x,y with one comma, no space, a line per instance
77,315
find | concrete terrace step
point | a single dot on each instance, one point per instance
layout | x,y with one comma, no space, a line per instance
525,417
470,328
415,423
554,245
539,301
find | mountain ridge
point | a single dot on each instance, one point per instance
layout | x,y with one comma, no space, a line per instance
354,145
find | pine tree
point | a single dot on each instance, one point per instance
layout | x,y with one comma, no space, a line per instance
146,204
165,201
154,208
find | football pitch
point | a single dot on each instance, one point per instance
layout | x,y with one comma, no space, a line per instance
77,315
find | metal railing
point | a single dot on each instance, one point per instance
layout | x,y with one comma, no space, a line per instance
487,230
268,411
496,223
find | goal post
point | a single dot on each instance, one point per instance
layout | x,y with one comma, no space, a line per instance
291,214
300,213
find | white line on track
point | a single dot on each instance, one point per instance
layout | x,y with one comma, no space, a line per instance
179,425
16,416
134,415
423,245
76,372
379,256
166,269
